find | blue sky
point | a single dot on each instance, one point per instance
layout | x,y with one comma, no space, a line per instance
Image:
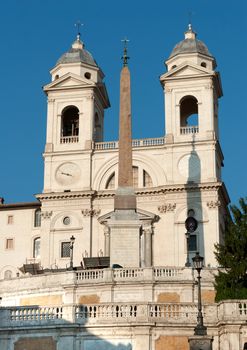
35,33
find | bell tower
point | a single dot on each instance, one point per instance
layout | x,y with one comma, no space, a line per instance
77,98
192,88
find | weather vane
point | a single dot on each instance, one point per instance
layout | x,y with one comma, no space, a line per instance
78,24
125,56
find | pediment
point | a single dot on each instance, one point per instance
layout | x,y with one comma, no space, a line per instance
68,80
185,70
143,215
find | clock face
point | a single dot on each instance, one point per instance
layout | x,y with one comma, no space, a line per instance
67,173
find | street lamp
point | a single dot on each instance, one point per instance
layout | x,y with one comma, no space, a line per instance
190,225
71,247
200,329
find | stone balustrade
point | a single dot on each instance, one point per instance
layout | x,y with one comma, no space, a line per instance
134,274
106,145
150,142
36,313
117,313
134,312
108,276
185,130
69,139
228,309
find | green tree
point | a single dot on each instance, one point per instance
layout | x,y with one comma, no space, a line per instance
231,282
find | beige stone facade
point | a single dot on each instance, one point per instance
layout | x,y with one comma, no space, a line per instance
151,302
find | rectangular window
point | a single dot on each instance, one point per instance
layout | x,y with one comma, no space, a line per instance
10,219
65,249
9,243
193,243
37,218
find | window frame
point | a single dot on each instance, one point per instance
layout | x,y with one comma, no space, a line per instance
12,246
10,219
34,241
61,249
37,218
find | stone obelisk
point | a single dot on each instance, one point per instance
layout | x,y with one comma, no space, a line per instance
124,224
125,196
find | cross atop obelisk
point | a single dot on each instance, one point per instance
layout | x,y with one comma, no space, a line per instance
125,196
125,56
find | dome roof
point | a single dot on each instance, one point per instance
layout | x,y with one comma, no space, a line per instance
190,45
77,53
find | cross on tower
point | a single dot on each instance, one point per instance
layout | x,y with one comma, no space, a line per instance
125,56
78,24
190,14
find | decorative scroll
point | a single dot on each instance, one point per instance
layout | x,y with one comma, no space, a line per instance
167,207
46,214
213,204
91,212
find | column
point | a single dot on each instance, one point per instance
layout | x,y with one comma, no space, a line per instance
148,245
107,240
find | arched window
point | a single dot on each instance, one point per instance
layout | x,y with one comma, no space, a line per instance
135,176
204,64
37,218
110,185
36,248
7,275
189,115
145,181
97,128
70,121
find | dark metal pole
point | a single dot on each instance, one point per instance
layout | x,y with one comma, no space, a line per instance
200,329
187,263
200,340
72,240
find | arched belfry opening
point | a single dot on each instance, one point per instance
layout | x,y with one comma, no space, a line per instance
189,115
70,124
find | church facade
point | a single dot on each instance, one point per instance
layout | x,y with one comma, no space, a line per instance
63,286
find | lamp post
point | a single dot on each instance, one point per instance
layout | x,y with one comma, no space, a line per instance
72,241
190,225
200,329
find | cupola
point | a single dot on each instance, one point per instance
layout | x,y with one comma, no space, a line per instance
79,61
192,50
77,53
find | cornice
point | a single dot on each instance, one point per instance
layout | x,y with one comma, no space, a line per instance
168,189
141,192
16,206
64,195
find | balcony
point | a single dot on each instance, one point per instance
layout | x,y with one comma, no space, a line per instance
69,139
186,130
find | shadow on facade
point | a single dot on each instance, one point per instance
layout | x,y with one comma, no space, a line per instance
37,328
194,203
